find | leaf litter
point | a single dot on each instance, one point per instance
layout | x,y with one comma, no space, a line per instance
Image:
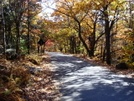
24,85
128,72
42,86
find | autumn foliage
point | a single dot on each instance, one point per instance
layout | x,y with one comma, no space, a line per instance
91,28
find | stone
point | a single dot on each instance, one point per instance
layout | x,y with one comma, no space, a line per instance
122,66
34,70
11,54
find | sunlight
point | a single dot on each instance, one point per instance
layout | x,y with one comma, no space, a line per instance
81,80
78,61
47,8
66,64
91,78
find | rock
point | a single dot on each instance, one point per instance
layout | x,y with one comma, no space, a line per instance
33,61
34,70
122,66
11,54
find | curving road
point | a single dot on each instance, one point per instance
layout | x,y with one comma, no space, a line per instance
82,81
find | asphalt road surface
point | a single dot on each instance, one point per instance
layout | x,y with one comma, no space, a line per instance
83,81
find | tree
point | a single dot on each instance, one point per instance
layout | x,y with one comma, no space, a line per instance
86,16
32,10
17,20
3,26
126,35
17,8
110,11
76,11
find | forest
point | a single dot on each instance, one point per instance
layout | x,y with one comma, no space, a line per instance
102,29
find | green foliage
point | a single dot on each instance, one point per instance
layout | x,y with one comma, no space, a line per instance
23,46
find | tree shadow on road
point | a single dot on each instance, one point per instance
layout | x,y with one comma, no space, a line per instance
68,64
82,81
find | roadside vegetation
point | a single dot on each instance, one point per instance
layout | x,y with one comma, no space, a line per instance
98,30
27,79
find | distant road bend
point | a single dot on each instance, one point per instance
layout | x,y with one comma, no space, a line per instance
82,81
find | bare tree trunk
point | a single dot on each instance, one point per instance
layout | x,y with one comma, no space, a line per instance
28,33
72,44
91,44
108,27
18,37
104,54
82,40
108,45
3,27
92,39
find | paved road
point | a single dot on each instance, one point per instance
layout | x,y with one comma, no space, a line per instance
82,81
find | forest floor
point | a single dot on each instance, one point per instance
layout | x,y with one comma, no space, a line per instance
41,84
128,72
27,79
42,87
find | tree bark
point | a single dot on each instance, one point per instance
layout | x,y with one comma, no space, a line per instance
72,44
108,45
3,28
92,38
28,32
18,37
80,37
91,44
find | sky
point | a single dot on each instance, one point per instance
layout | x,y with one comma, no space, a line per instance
46,10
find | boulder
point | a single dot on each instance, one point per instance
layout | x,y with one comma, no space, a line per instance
33,61
33,70
122,66
11,54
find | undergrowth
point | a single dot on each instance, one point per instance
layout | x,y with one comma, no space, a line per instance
14,76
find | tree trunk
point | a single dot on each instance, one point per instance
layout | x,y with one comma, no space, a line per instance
28,33
28,38
92,40
91,44
9,34
104,54
18,37
108,45
77,47
80,37
3,27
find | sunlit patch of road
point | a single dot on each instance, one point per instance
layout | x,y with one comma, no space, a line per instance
83,81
